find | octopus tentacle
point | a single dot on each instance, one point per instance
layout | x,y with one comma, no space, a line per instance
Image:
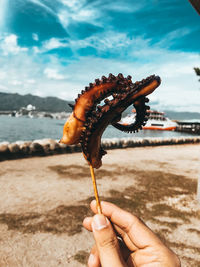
97,91
140,119
89,119
98,121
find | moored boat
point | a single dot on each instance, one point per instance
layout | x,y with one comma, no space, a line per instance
156,121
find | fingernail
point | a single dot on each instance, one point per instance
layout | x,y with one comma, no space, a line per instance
91,260
99,222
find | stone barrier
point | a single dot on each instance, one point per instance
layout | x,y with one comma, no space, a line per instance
46,147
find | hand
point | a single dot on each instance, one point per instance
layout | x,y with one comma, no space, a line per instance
122,239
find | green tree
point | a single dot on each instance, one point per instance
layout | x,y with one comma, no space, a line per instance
197,71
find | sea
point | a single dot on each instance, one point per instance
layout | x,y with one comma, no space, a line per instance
13,129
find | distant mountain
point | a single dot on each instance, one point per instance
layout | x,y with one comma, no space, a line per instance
11,102
182,115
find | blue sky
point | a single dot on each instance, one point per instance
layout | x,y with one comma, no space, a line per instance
55,48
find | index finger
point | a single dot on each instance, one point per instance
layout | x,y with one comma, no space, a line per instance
138,232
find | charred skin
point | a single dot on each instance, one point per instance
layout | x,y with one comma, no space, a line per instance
88,121
87,101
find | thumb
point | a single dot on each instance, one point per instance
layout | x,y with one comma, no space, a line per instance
106,241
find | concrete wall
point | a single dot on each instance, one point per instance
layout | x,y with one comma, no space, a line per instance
46,147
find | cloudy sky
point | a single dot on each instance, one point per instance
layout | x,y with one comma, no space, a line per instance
56,47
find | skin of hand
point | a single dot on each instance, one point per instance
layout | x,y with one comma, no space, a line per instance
122,239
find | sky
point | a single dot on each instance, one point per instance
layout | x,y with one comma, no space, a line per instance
57,47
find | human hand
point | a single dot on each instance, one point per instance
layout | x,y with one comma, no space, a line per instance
122,239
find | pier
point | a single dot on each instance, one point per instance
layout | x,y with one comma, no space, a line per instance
188,127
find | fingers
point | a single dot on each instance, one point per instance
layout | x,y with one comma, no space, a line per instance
139,234
93,260
126,246
130,246
136,235
106,242
87,223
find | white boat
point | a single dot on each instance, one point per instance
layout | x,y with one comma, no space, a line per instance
156,121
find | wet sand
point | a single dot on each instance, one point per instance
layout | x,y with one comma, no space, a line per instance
44,200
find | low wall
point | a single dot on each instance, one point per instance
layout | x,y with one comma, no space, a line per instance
46,147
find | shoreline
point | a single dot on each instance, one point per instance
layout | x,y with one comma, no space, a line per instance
47,147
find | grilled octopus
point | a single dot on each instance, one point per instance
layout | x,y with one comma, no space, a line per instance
90,117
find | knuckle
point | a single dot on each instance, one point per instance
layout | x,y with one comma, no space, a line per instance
109,242
131,222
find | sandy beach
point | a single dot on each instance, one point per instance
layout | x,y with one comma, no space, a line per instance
44,200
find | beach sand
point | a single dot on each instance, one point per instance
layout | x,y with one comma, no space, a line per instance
43,201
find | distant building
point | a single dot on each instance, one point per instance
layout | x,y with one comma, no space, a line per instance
26,111
30,107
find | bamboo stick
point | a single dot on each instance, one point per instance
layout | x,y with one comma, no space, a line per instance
95,190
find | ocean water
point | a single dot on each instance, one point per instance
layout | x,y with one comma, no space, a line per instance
14,129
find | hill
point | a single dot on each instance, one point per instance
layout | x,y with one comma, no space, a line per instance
13,102
184,115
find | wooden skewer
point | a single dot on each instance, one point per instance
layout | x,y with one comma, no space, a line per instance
95,190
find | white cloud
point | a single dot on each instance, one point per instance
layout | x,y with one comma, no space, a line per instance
3,88
179,89
105,41
15,82
36,50
2,75
64,18
81,11
31,81
41,4
77,11
109,40
9,45
53,74
121,6
172,36
53,43
85,15
35,36
73,4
